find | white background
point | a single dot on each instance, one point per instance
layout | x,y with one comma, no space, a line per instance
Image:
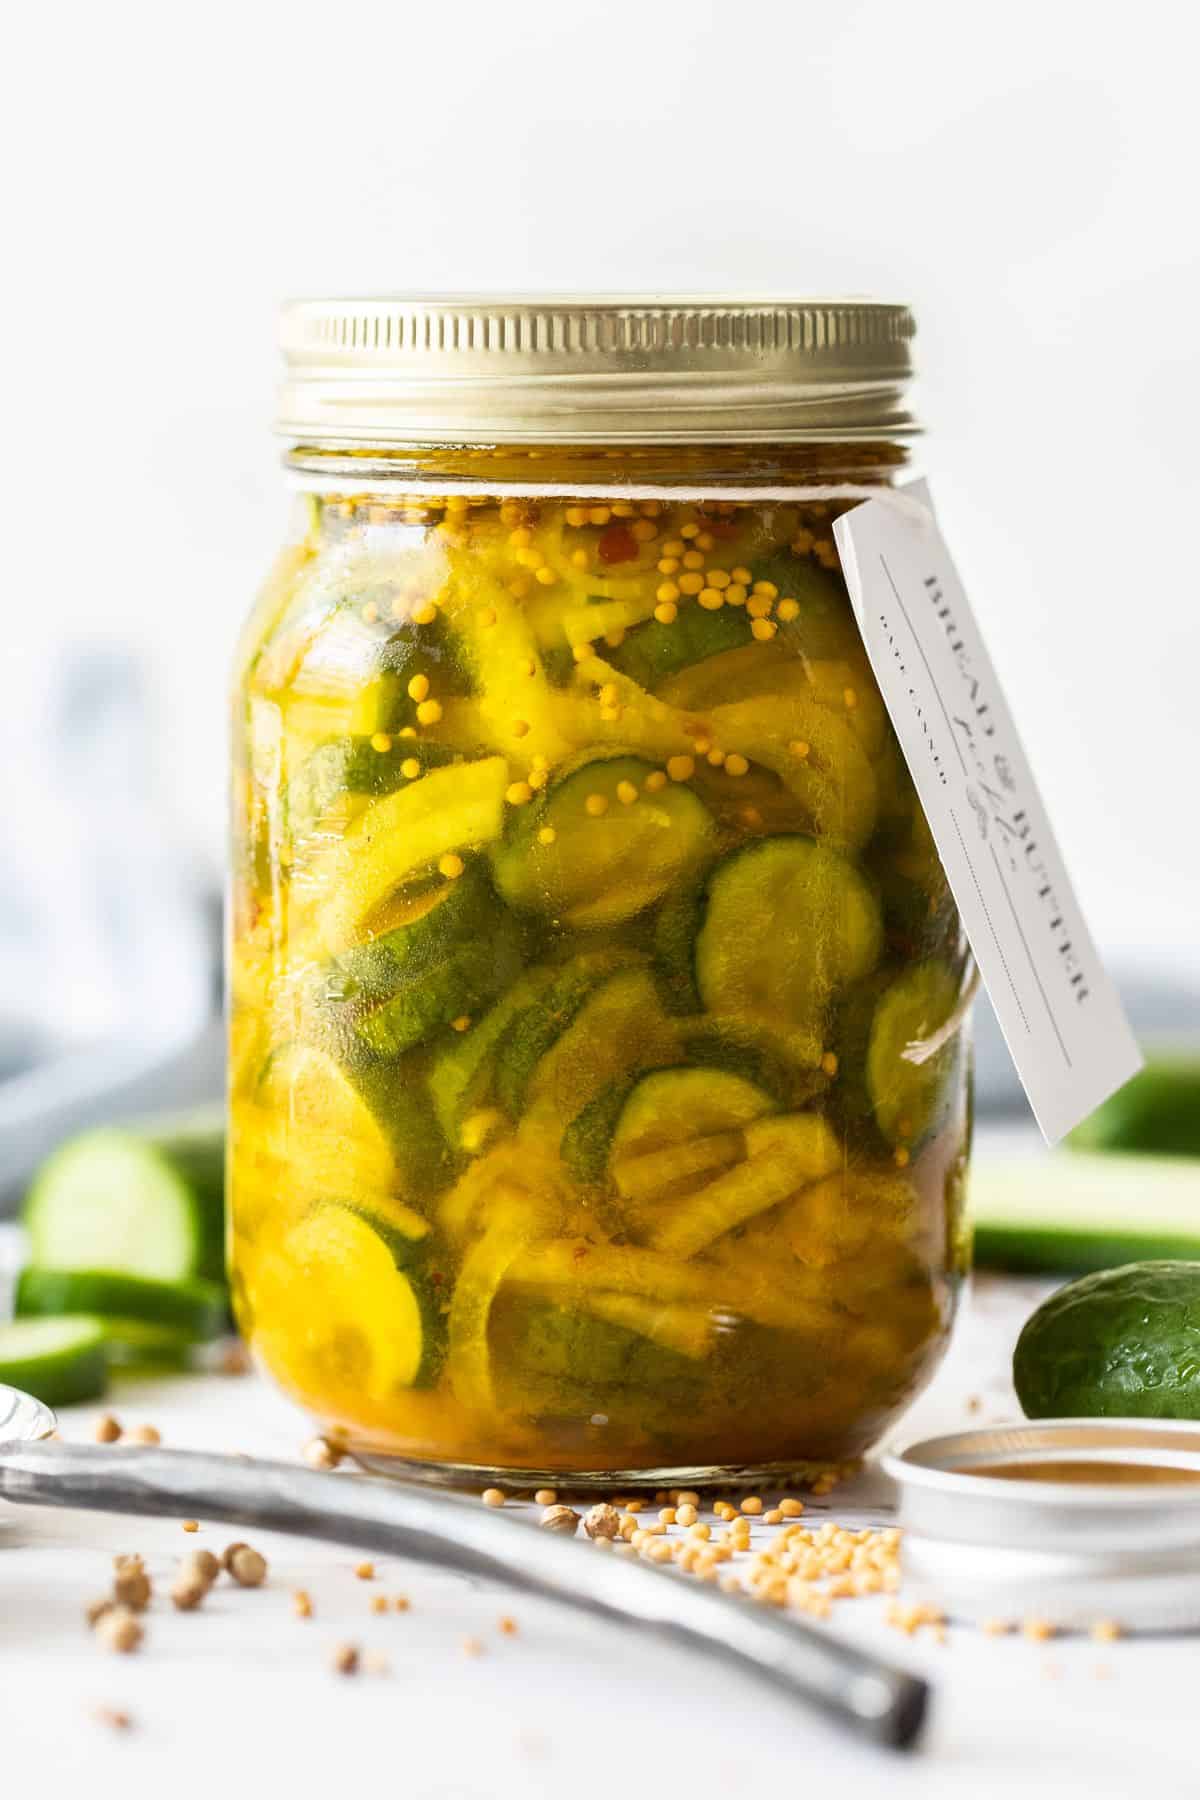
1024,174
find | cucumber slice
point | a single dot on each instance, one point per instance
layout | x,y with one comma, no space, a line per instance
447,952
356,1307
185,1311
483,1272
759,1055
676,928
347,770
466,978
1070,1212
537,1027
324,1128
787,923
135,1203
461,1074
908,1072
672,1105
602,870
318,1124
619,1027
817,755
403,835
557,1359
654,652
58,1361
784,1154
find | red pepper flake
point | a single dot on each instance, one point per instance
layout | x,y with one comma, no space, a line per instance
617,545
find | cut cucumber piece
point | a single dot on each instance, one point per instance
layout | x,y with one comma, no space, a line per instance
607,860
619,1027
787,923
318,1123
673,1106
453,952
1157,1112
483,1272
188,1311
1070,1212
557,1359
784,1154
908,1078
402,836
676,928
58,1361
654,651
468,977
537,1027
358,1308
349,770
131,1202
759,1055
817,755
461,1074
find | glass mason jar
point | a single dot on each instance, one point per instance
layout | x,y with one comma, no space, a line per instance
599,1080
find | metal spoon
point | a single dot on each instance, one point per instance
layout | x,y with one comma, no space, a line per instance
862,1693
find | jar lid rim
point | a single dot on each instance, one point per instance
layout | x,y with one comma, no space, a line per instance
602,369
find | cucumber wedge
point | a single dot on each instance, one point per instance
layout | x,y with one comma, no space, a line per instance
131,1202
186,1312
615,848
58,1361
402,836
1069,1212
787,923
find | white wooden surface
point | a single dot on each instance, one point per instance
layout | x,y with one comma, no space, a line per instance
239,1699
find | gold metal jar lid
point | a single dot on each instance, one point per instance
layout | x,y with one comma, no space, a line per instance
496,369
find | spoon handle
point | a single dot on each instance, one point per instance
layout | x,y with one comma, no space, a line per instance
859,1692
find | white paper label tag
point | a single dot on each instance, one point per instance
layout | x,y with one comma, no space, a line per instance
1060,1014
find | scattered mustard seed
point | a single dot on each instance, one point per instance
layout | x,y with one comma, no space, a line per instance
493,1496
345,1659
108,1429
